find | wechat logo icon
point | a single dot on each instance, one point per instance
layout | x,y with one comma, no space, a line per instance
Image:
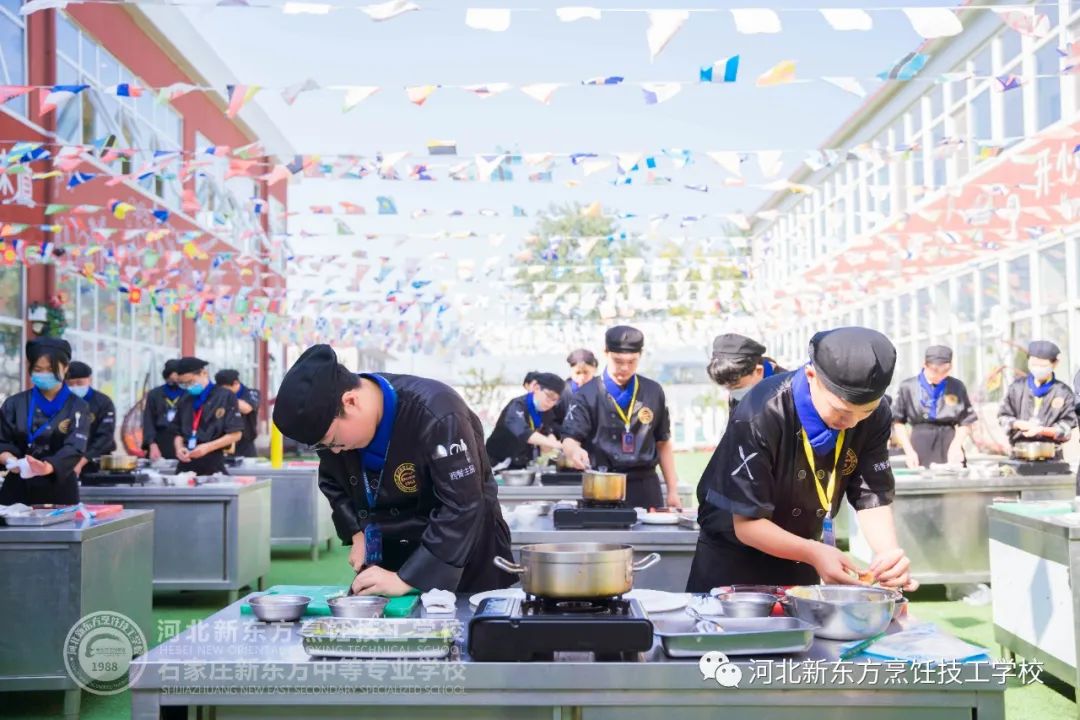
716,666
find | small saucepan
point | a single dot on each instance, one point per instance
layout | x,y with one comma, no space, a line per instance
607,487
1034,451
118,463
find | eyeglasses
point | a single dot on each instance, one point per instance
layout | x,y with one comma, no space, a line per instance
552,395
318,447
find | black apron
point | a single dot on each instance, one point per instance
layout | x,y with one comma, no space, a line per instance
643,489
718,563
932,442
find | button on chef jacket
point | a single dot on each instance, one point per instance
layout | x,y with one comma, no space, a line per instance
102,428
1056,409
760,470
510,438
156,424
437,502
220,416
60,440
934,412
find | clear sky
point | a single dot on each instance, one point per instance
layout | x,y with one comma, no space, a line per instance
268,48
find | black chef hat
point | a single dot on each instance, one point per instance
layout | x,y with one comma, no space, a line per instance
854,363
735,345
57,348
550,381
78,371
624,339
581,355
170,368
938,354
226,377
310,395
187,365
1044,349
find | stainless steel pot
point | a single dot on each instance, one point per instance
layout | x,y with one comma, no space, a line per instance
518,478
124,463
577,570
1034,451
843,612
603,486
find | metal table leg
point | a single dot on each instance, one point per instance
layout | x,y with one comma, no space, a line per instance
232,596
72,701
315,552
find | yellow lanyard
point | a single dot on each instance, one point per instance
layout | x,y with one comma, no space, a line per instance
625,416
825,496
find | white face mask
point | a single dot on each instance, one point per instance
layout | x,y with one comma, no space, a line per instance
1041,372
738,393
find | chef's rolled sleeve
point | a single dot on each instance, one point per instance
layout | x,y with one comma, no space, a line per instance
872,484
662,431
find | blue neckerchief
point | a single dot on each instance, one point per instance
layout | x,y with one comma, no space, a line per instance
533,412
202,398
622,395
1039,390
769,369
373,456
243,390
172,391
574,387
89,394
822,437
931,394
48,407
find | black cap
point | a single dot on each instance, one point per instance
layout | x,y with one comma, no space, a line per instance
854,363
187,365
310,395
624,339
581,355
938,355
226,377
170,368
57,347
78,370
550,381
1044,349
735,345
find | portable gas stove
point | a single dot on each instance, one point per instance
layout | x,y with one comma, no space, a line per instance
512,629
1029,468
591,515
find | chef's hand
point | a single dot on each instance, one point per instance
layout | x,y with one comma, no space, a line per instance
155,452
358,552
955,456
80,465
912,459
183,455
379,581
833,566
890,569
578,458
1034,431
201,450
1023,425
673,500
39,467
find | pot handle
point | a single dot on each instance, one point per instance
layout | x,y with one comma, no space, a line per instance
646,562
507,566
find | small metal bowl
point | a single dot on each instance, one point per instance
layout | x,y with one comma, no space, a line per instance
518,478
747,604
357,606
279,608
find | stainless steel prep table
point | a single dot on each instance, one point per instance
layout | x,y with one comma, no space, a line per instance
214,536
264,673
52,576
674,543
941,521
299,514
510,496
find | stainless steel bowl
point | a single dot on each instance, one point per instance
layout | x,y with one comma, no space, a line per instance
747,604
843,612
279,608
518,478
357,606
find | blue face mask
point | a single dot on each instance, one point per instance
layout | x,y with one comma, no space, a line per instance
196,389
79,390
44,381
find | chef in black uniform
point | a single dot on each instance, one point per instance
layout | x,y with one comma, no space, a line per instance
1039,407
738,363
619,422
528,425
207,420
402,462
43,431
102,437
939,412
248,401
800,443
583,367
159,413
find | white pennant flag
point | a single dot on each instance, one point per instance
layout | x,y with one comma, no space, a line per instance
656,93
292,92
541,92
730,161
663,24
849,84
573,14
486,165
537,159
753,21
591,167
388,10
356,95
487,91
934,22
847,19
770,162
493,19
628,160
586,245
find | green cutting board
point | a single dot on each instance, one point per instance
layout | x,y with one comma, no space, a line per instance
398,607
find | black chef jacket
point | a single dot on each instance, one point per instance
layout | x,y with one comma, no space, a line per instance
510,438
246,446
1057,409
220,416
437,502
931,438
62,444
102,429
593,421
158,415
760,470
